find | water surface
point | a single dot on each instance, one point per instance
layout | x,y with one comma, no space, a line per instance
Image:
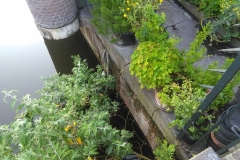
24,57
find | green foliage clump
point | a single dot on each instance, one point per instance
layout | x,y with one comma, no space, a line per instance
164,150
185,101
148,26
70,120
108,17
224,15
195,53
158,61
227,22
209,7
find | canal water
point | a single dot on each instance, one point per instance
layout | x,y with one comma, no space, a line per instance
24,57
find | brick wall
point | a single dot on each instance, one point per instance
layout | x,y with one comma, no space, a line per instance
52,14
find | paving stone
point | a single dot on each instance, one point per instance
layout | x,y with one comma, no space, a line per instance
235,155
173,15
228,157
207,154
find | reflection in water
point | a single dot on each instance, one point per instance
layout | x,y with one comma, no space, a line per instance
23,55
22,67
61,51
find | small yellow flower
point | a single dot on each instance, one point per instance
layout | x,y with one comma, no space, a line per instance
161,1
70,141
74,123
101,94
67,128
128,9
79,140
125,15
89,158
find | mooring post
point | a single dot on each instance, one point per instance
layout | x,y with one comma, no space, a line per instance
55,19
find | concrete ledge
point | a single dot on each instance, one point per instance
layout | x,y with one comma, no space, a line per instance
60,33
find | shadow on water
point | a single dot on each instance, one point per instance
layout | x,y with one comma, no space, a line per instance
62,50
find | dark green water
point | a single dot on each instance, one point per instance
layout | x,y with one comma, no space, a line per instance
62,50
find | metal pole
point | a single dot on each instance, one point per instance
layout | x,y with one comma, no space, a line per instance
222,150
233,109
226,78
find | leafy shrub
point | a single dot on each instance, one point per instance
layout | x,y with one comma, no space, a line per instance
108,17
70,120
164,151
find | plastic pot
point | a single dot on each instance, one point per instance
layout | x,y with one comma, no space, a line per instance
221,138
228,134
126,39
186,138
232,120
211,144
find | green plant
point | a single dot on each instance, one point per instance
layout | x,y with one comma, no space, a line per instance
164,150
185,99
70,120
158,62
108,16
227,22
146,23
209,7
186,95
195,53
185,70
211,78
224,15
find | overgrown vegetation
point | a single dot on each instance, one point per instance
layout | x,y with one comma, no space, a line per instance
172,74
224,16
70,120
164,150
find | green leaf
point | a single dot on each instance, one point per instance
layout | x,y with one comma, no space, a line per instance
22,138
109,149
13,103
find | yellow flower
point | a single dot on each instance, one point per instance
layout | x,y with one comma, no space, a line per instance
89,158
125,15
67,128
74,123
70,141
128,9
101,94
79,140
161,1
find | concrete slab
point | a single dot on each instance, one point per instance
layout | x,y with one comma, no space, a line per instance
207,154
179,23
173,15
186,31
204,63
